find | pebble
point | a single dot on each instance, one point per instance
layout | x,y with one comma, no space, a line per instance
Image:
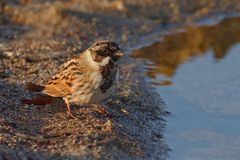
8,53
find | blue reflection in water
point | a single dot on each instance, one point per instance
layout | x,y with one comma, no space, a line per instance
197,75
205,104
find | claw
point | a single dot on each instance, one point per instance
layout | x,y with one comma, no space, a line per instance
101,110
69,109
71,115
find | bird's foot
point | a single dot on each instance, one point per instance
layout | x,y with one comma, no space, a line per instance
70,115
101,110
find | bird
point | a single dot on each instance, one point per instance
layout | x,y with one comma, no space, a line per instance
87,78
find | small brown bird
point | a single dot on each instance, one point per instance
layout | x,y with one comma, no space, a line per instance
87,78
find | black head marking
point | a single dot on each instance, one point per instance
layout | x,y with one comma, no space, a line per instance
102,49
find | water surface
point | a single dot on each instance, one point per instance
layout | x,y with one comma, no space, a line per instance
196,72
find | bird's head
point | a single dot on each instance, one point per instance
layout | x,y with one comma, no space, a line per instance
103,52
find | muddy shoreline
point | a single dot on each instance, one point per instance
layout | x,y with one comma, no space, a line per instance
36,37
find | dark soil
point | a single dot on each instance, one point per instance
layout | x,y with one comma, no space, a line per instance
36,36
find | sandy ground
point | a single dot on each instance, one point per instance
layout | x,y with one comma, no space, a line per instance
38,36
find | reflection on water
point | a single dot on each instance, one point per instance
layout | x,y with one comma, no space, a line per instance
176,49
202,95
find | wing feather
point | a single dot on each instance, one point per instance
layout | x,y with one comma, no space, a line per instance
61,84
58,89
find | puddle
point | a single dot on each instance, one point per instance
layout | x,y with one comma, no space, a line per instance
196,72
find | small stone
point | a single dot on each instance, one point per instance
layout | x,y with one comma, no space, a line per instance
8,53
125,111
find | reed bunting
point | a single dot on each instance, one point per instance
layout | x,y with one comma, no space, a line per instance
88,78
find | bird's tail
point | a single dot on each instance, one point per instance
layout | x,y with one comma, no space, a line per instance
33,87
39,99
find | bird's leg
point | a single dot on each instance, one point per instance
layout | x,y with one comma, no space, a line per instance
69,109
101,110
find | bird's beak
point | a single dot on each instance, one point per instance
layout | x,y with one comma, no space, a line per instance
119,53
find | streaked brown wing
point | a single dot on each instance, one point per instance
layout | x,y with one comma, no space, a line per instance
61,84
58,88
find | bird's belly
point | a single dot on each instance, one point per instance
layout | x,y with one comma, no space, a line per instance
92,92
92,96
99,96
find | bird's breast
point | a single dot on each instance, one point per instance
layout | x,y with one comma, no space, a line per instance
96,88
